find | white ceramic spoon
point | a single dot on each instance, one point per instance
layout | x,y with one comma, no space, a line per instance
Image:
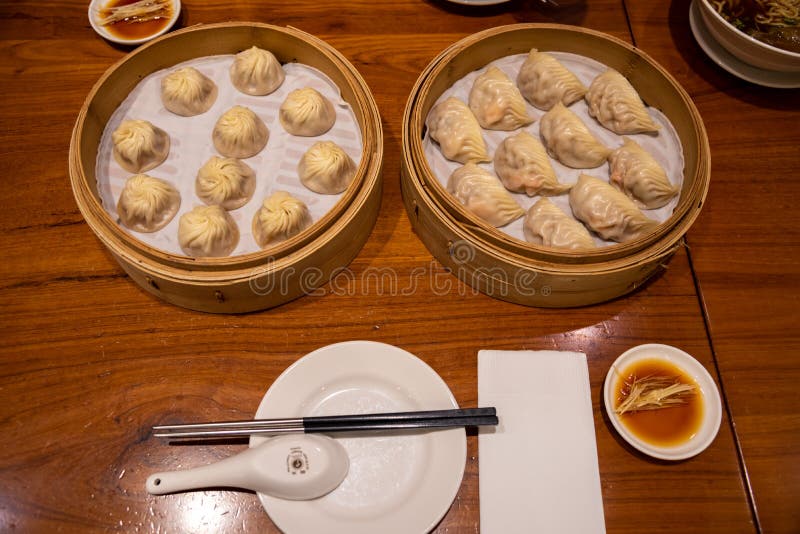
295,467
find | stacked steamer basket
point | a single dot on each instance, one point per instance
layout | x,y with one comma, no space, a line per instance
509,268
252,281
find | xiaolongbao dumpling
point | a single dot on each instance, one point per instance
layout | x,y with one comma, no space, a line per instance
256,72
543,81
188,92
638,175
497,103
607,211
306,112
325,168
453,125
207,231
279,218
569,140
521,163
139,146
483,194
147,204
546,224
228,182
240,133
616,105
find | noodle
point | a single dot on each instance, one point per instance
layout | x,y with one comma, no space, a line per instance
776,22
765,12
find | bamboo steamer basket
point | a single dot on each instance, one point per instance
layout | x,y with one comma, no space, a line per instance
252,281
514,270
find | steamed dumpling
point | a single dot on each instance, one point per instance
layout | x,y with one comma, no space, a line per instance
188,92
240,133
616,105
635,172
569,141
453,125
256,72
228,182
546,224
279,218
522,165
483,194
607,211
497,103
307,112
139,146
544,81
326,168
207,231
147,204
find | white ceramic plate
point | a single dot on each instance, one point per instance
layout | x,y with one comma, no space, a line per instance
712,412
398,482
94,19
732,64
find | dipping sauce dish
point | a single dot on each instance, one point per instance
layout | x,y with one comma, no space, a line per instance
673,431
130,31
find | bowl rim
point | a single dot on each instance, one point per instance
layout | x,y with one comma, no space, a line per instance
95,6
708,8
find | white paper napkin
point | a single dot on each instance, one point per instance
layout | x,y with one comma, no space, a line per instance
538,467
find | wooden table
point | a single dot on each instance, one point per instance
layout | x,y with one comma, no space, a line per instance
90,362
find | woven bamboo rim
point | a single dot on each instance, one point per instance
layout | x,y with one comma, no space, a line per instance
657,88
288,45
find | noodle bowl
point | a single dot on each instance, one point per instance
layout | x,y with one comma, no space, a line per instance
775,22
763,33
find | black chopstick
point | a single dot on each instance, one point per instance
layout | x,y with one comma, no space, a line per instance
332,423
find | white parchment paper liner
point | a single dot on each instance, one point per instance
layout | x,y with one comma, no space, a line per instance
191,146
665,146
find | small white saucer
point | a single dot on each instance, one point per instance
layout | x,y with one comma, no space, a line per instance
732,64
94,19
712,412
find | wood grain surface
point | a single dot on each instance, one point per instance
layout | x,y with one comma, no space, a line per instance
745,251
89,362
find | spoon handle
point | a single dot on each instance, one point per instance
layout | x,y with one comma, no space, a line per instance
230,472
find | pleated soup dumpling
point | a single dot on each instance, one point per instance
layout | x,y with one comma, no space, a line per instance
544,81
497,103
482,193
228,182
240,133
188,92
607,211
147,204
453,125
279,218
306,112
568,140
139,145
616,105
256,72
547,224
637,174
522,165
326,168
207,231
